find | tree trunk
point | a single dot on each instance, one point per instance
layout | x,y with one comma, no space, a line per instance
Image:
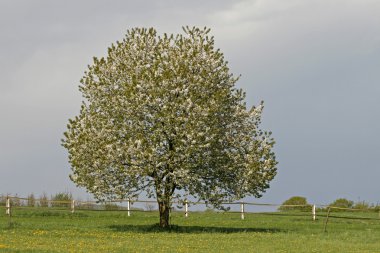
164,209
165,188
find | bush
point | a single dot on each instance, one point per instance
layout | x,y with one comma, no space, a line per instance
3,200
150,207
111,207
209,210
63,199
44,200
296,200
16,201
362,205
342,203
31,200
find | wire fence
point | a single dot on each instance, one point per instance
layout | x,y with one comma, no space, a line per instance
12,202
314,211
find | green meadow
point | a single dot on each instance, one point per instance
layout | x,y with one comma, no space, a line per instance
49,230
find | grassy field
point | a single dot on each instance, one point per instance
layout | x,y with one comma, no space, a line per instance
42,230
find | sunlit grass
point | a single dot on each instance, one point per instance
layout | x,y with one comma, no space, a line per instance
43,230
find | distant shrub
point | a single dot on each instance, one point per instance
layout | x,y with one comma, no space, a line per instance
63,199
209,210
295,203
150,207
342,203
43,200
88,206
16,201
111,207
31,200
376,208
362,205
3,200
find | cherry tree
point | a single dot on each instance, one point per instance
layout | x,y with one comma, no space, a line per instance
161,116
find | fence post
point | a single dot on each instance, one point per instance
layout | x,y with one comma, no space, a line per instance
186,209
242,210
129,207
327,219
313,212
72,206
8,206
8,211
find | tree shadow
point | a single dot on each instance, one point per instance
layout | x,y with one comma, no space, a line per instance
191,229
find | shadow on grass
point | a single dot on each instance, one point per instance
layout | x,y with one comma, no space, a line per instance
190,229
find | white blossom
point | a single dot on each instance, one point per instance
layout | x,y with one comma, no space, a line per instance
162,115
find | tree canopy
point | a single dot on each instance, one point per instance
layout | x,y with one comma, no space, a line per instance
161,115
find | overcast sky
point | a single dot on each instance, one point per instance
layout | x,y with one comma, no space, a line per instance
315,63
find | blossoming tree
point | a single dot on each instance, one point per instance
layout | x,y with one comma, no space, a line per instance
161,116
